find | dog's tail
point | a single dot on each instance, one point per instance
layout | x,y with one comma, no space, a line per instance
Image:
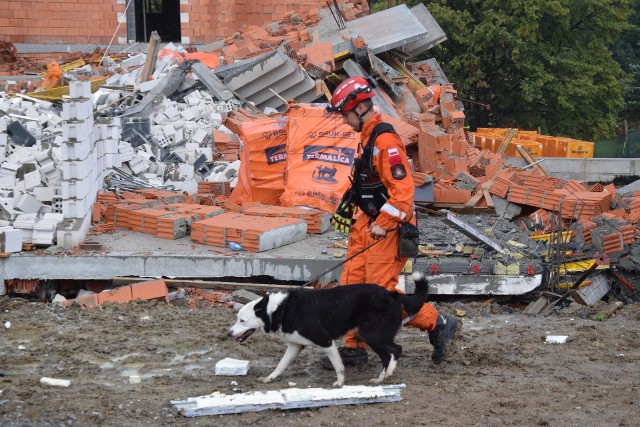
413,303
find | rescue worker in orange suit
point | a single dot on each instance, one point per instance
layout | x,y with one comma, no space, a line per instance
383,195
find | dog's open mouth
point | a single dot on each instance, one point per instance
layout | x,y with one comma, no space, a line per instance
247,334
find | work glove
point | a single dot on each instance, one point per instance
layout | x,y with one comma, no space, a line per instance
342,219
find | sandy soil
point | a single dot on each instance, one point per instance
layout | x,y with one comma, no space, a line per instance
500,371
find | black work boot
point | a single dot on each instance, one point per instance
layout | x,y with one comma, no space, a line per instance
349,356
441,336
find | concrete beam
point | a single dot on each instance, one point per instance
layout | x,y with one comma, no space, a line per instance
477,284
291,398
108,266
590,170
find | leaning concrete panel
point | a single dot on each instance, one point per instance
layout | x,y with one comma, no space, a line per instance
275,71
388,29
435,34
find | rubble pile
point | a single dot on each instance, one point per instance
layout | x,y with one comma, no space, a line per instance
231,144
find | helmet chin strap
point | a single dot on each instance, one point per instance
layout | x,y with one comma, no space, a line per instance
360,116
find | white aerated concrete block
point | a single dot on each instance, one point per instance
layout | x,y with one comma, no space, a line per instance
77,109
10,240
44,194
7,181
76,208
106,131
79,89
201,136
78,189
32,179
79,169
77,130
28,204
232,367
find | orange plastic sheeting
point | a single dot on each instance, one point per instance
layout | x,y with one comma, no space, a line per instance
52,76
320,154
262,162
208,59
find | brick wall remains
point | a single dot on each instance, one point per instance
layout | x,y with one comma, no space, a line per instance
94,21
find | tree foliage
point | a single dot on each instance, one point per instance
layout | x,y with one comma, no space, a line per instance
627,52
544,64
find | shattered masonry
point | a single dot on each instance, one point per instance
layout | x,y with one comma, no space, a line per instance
232,145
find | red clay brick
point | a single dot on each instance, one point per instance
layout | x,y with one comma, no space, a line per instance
121,294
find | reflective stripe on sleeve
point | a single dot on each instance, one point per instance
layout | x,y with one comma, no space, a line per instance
393,211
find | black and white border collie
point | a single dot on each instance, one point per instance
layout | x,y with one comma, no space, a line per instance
318,317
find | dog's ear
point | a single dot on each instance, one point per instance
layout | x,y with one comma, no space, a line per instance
261,311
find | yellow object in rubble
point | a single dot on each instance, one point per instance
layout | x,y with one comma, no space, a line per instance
57,94
573,267
566,236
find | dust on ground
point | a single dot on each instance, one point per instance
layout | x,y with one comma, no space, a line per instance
500,371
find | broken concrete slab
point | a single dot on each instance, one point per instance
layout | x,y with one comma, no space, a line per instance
380,36
292,398
435,34
505,208
211,81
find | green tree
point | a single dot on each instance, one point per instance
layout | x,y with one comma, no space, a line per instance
542,64
627,52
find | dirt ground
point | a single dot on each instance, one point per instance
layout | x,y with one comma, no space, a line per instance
500,372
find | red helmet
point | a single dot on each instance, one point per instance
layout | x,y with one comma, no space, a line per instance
351,92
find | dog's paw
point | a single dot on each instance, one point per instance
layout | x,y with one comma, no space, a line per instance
376,381
266,380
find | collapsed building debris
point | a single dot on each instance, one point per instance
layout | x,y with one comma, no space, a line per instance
232,146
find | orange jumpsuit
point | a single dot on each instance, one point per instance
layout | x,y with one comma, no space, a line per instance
381,264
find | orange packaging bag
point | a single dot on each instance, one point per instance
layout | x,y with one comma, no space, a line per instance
266,140
320,155
263,159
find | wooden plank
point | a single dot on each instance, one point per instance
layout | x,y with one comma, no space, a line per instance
536,306
413,82
152,56
506,141
485,190
325,90
529,158
487,197
474,199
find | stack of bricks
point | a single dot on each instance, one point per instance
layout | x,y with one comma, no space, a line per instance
226,145
317,221
318,59
150,212
612,235
254,234
217,188
537,145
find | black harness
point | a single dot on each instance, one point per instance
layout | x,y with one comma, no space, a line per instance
367,190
